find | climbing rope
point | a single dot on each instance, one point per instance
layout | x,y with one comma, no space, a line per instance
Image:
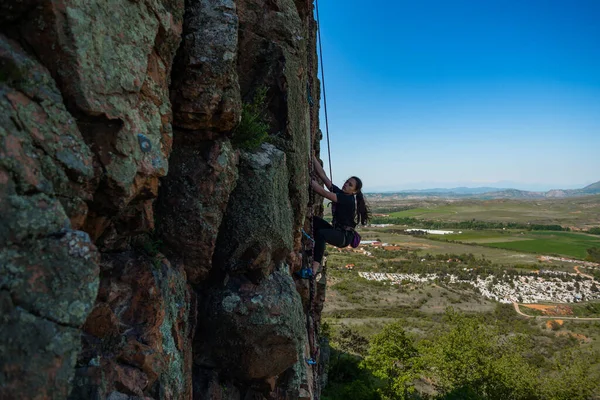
324,92
306,235
308,256
308,244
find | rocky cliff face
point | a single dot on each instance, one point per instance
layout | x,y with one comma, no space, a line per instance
142,254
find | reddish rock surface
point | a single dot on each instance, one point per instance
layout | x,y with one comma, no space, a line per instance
86,146
48,270
112,63
275,47
137,338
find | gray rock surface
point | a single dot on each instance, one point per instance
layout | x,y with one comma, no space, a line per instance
255,232
253,331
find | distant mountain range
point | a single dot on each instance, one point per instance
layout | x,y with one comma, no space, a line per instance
494,193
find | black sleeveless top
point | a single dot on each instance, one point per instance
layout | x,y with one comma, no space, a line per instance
344,210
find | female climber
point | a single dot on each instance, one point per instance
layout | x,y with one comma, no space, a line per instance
348,208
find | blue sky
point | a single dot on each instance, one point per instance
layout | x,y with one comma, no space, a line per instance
454,92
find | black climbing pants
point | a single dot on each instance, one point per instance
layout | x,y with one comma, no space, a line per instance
324,232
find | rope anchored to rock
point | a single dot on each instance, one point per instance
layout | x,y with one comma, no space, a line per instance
308,241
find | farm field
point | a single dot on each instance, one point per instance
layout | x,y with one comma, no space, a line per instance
561,243
544,243
424,245
581,212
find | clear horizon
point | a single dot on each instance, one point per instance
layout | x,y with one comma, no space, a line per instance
466,92
534,187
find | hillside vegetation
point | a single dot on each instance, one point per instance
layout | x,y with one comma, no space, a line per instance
422,316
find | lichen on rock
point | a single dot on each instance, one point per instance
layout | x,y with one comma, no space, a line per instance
48,270
107,106
255,232
193,200
119,58
206,93
253,331
140,325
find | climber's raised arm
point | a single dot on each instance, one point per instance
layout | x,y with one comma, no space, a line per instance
321,173
319,189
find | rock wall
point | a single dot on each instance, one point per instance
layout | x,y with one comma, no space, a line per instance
142,254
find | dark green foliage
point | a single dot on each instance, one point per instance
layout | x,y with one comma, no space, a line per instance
148,243
593,254
351,342
572,377
252,130
587,310
594,231
393,358
347,378
472,357
325,330
355,390
345,367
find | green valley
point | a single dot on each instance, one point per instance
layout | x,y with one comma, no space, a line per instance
416,315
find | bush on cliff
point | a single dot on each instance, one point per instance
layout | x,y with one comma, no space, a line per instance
252,130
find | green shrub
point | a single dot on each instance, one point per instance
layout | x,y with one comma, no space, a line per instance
347,380
593,254
392,358
147,243
252,130
10,73
356,390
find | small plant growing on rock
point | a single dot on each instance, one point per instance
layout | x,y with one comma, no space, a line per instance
152,246
252,130
10,73
148,243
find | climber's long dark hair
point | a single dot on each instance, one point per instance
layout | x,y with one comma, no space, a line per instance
362,210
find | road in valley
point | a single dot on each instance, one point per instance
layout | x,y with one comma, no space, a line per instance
516,305
518,310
